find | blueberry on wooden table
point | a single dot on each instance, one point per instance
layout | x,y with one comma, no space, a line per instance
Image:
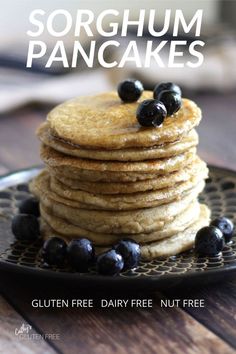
110,263
209,241
25,227
81,254
130,90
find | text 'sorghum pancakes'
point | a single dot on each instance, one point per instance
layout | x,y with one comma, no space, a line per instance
108,178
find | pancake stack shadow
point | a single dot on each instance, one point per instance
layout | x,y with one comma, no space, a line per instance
139,183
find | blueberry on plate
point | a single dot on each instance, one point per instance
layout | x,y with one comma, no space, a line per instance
30,206
110,263
54,251
130,251
171,100
81,254
226,227
25,227
209,241
151,113
169,86
130,90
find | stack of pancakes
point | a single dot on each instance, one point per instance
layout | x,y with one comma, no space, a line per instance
107,178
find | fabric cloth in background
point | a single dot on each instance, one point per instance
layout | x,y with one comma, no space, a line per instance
18,88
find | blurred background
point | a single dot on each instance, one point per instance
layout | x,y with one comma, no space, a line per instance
26,95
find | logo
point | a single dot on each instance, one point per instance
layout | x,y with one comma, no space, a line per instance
24,328
24,333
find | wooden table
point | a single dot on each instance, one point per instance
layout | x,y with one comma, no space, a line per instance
211,329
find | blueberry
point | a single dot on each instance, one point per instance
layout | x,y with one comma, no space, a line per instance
169,86
25,227
110,263
54,251
81,254
130,90
209,241
30,206
130,251
171,100
151,113
226,227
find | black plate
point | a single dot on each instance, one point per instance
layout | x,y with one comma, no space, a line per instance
24,257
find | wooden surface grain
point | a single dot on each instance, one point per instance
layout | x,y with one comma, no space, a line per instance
129,330
157,330
219,313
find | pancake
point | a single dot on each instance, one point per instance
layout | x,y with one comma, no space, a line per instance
178,243
71,231
40,186
171,246
131,154
103,121
114,202
161,181
107,176
127,201
54,158
133,221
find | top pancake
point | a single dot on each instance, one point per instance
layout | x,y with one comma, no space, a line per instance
103,121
